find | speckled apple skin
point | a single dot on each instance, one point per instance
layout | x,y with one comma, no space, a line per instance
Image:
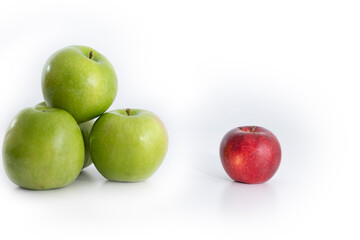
250,154
43,149
85,128
82,86
128,148
85,131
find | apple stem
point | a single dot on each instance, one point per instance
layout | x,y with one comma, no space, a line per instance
91,54
128,111
253,129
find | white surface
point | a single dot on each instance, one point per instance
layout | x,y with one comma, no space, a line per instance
204,67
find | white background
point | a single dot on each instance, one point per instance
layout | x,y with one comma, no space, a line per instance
204,67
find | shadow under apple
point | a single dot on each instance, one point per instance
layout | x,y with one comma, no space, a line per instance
248,199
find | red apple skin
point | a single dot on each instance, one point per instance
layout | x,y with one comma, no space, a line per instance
250,154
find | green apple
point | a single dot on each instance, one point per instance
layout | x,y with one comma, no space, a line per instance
128,144
43,148
85,131
42,104
80,81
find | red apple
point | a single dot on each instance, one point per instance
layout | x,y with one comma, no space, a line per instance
250,154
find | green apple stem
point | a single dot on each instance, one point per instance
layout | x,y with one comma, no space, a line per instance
128,111
253,129
91,54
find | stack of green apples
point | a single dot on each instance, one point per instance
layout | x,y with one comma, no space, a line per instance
48,145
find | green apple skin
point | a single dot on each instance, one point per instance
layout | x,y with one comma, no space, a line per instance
42,104
81,84
128,148
85,131
43,149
